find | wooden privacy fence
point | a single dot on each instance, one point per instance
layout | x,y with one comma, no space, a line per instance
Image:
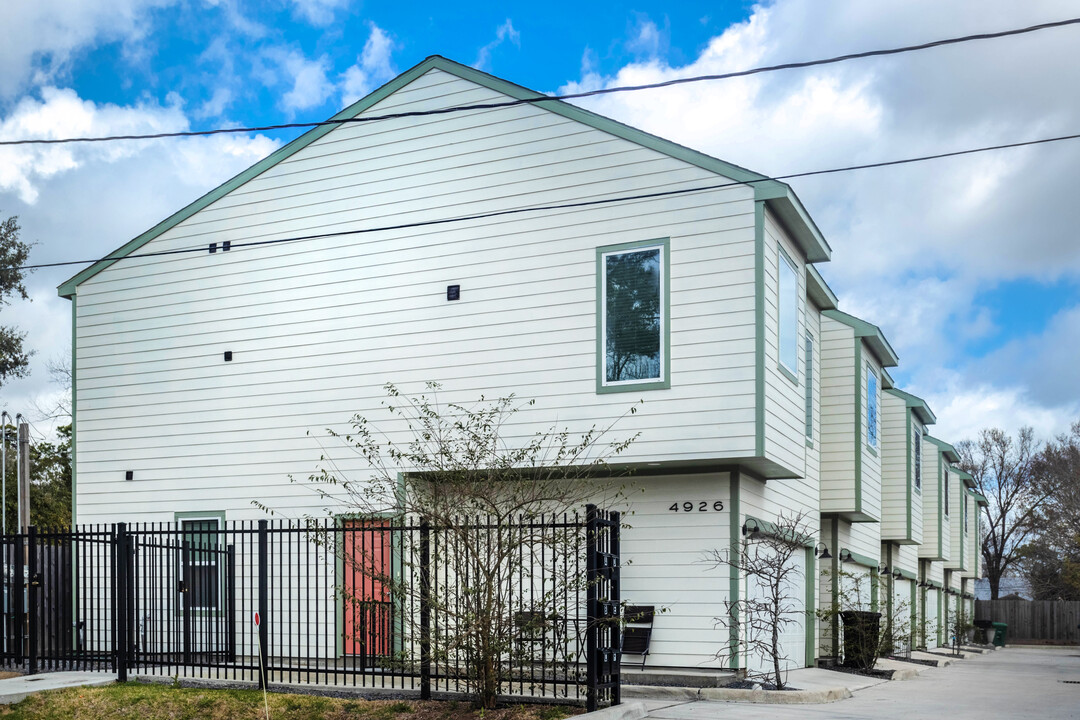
1039,621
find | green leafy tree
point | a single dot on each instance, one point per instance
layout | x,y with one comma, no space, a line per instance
50,481
14,359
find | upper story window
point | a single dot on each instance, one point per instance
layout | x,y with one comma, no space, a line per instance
871,407
788,305
965,514
946,493
918,458
809,349
633,316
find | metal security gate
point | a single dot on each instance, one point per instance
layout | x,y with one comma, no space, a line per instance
356,603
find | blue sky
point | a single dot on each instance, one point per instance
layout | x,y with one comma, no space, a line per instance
971,266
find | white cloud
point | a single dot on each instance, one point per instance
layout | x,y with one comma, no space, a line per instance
40,37
913,244
503,33
83,201
310,87
318,12
646,38
373,67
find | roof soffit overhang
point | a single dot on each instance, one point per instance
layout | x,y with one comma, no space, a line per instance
917,405
870,334
779,197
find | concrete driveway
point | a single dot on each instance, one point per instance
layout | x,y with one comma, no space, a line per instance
1020,682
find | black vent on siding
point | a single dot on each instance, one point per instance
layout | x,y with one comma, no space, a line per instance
228,356
226,246
453,292
213,248
129,475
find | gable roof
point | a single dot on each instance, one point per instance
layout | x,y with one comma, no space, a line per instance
870,333
818,290
777,195
917,404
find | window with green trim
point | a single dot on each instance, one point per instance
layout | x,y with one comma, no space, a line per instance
633,315
917,439
788,321
871,407
965,514
946,493
201,569
809,349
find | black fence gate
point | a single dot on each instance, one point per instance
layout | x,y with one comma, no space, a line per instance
357,602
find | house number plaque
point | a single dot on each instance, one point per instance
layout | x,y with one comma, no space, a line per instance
697,506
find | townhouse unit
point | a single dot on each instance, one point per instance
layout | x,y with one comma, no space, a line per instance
519,245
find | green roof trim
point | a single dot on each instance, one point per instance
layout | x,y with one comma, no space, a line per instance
783,534
864,560
966,477
819,291
947,450
779,196
979,498
887,382
917,404
870,333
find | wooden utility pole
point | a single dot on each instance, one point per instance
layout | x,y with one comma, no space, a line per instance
24,477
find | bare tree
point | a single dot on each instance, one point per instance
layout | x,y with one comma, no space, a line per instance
57,407
756,623
1051,561
490,495
1002,467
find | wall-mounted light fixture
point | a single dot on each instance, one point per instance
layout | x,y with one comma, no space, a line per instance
751,529
897,574
883,569
821,550
845,556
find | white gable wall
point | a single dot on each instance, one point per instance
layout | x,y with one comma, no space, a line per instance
317,327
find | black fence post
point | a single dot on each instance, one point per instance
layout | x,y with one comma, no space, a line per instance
230,602
592,577
425,610
120,602
616,602
264,605
31,599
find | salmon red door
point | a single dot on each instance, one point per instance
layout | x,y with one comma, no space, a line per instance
368,603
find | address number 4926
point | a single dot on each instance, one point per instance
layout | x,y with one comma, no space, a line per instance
697,506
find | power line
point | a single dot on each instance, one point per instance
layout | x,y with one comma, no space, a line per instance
565,206
568,96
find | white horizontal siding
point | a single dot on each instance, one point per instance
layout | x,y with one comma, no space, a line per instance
894,467
837,382
317,327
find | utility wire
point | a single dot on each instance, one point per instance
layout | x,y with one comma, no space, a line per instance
568,96
564,206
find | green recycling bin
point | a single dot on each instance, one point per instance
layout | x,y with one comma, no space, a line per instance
999,633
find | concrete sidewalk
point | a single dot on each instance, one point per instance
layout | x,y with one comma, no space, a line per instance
1017,683
17,689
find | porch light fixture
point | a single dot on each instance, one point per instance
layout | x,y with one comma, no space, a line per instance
883,569
751,528
922,584
821,550
845,556
897,574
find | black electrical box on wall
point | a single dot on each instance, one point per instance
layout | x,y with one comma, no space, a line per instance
453,292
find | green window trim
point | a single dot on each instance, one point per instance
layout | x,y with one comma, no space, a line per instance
194,516
808,361
664,382
873,409
785,263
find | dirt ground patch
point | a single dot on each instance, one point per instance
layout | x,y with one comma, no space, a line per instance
144,701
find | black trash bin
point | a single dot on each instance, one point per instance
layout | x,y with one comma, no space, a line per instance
986,633
862,633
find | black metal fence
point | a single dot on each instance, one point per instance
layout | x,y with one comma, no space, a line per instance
392,603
